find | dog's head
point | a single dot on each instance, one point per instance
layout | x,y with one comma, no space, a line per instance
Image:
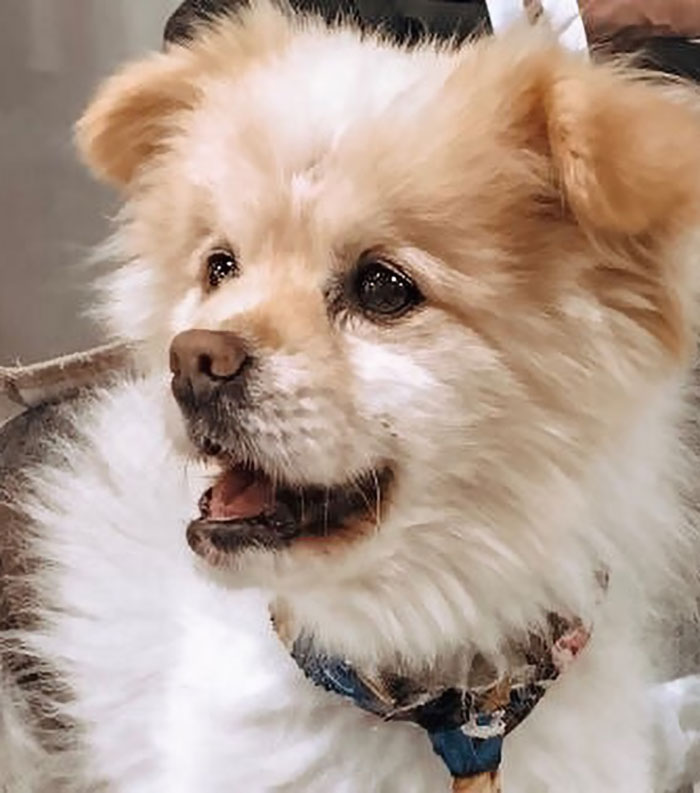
410,298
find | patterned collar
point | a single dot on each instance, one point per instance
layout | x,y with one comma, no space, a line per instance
466,724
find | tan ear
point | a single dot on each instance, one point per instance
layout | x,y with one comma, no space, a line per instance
623,148
597,147
626,151
132,115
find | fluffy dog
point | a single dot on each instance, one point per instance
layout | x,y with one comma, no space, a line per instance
430,316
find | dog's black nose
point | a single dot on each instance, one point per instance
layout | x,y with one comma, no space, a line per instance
201,360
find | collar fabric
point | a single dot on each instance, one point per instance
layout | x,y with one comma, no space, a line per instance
466,722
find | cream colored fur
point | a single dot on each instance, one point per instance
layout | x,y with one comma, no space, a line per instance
531,408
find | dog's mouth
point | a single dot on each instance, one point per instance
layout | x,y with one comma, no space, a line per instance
245,509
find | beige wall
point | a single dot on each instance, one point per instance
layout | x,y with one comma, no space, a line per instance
52,54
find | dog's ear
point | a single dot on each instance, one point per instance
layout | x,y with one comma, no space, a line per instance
623,150
626,152
133,113
594,146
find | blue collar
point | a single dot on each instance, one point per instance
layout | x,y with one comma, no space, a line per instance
466,725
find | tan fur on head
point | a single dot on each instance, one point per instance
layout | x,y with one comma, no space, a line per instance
543,207
135,112
130,119
602,135
621,151
610,136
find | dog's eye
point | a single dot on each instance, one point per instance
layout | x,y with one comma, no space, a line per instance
221,264
382,290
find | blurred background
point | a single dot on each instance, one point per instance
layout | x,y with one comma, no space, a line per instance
52,55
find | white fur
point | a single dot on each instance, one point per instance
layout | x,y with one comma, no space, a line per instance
183,686
525,461
677,723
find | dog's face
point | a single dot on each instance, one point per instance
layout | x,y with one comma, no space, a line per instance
408,298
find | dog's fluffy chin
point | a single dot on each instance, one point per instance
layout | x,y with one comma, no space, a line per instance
404,590
529,405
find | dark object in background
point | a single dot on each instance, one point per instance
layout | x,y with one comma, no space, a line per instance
405,20
643,19
666,54
614,22
181,24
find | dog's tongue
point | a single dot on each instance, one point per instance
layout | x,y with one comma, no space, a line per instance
238,494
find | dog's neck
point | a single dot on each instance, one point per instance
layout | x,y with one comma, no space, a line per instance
466,703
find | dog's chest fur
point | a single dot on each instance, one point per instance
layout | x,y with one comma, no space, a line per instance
183,686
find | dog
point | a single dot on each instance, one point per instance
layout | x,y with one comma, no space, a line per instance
416,329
